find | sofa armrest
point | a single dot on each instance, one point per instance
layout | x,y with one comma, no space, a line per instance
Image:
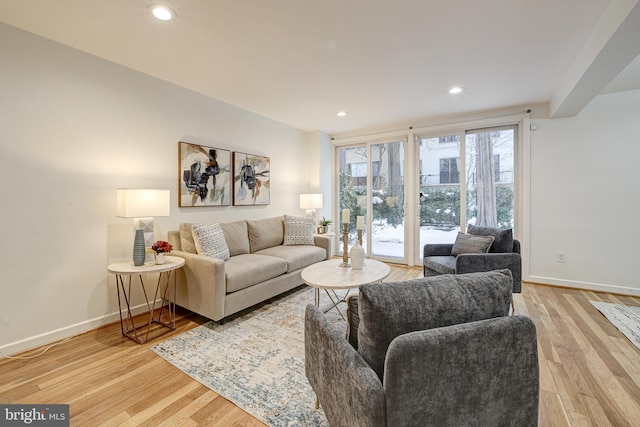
437,249
473,263
201,285
323,242
450,375
349,391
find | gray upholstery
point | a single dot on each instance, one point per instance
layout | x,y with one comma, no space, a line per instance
394,309
437,258
349,391
480,373
503,237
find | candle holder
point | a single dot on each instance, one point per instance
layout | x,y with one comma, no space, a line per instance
345,247
360,240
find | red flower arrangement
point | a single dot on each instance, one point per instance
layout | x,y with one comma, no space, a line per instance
161,247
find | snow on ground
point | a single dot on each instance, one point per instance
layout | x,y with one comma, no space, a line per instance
388,241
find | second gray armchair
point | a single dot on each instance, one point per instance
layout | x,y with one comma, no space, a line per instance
503,252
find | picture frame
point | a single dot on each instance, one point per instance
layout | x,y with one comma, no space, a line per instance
251,179
204,175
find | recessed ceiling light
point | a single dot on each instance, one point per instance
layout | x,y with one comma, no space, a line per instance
161,12
341,113
456,89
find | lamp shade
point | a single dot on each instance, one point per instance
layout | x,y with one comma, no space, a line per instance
142,202
311,201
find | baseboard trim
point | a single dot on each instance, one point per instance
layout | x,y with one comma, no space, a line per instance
599,287
56,335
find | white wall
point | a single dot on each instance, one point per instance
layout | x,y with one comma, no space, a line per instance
73,128
320,172
585,196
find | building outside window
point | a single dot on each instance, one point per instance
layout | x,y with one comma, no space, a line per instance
449,170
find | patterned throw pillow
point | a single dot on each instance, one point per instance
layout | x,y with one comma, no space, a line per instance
209,241
471,244
298,230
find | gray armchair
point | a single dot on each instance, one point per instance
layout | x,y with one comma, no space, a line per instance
437,351
503,253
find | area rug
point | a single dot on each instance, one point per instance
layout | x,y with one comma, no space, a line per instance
255,360
624,317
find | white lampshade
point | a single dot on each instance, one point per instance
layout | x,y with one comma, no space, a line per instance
142,202
311,201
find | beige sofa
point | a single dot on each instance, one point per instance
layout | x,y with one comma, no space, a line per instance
260,267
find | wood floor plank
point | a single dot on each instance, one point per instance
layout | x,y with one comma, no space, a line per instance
183,416
554,415
589,372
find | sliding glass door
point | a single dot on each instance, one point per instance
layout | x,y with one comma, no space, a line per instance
490,183
372,186
352,194
440,175
453,179
465,178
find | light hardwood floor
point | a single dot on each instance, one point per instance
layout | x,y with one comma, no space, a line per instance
589,372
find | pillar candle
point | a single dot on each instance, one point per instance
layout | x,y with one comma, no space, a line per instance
360,223
345,216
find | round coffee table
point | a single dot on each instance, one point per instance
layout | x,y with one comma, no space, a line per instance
328,275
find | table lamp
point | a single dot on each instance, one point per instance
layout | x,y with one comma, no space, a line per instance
311,202
142,205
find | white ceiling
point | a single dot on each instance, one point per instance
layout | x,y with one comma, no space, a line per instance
384,62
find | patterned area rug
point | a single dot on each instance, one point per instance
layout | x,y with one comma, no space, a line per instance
624,317
255,359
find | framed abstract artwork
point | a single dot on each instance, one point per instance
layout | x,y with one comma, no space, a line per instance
251,180
205,175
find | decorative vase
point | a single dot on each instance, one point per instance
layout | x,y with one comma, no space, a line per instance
357,256
139,252
160,258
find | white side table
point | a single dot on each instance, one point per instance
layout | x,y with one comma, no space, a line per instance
127,325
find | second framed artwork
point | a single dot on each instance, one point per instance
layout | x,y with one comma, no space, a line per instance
251,179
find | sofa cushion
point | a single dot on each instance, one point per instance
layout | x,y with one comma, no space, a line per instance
471,244
235,234
265,233
186,238
391,309
298,230
441,264
503,238
245,270
297,257
209,241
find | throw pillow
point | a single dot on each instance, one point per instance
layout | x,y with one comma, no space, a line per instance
298,230
209,241
503,242
394,309
470,244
